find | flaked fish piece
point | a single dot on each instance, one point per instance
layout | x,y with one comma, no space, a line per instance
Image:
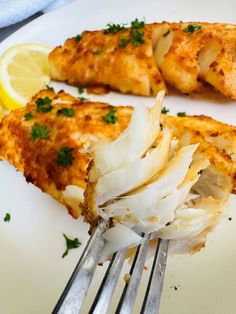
87,129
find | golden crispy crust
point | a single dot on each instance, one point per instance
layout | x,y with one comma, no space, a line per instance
222,135
215,42
98,60
205,55
38,159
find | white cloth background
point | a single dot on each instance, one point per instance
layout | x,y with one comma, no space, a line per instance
13,11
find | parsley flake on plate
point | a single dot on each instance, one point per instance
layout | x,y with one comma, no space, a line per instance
70,244
191,28
65,156
28,116
110,117
67,112
80,90
7,217
44,105
39,131
164,110
181,114
49,87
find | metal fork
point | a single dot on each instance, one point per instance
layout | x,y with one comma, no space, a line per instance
75,291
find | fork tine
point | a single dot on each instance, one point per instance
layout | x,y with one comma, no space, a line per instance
107,287
153,294
131,288
76,289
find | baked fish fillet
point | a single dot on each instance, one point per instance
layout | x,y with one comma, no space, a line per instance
98,59
51,140
141,58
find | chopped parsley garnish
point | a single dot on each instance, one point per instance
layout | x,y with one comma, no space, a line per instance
78,38
82,99
123,42
97,52
164,110
136,24
7,217
181,114
136,37
68,112
49,87
111,117
114,28
65,156
192,28
81,90
28,116
39,131
166,33
44,104
70,244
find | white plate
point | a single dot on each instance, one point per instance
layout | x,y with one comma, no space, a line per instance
32,272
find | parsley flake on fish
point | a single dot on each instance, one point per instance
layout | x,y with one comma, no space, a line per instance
39,131
65,156
111,117
44,105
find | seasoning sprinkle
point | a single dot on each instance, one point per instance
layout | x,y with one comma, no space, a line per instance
78,38
114,28
67,112
7,217
39,131
82,99
28,116
136,24
123,42
44,105
181,114
65,156
136,37
49,87
81,90
164,110
191,28
70,244
111,117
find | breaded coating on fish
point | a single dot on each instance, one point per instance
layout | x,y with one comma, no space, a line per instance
139,60
51,140
38,158
100,59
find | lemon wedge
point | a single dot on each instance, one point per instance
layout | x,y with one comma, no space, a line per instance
24,70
